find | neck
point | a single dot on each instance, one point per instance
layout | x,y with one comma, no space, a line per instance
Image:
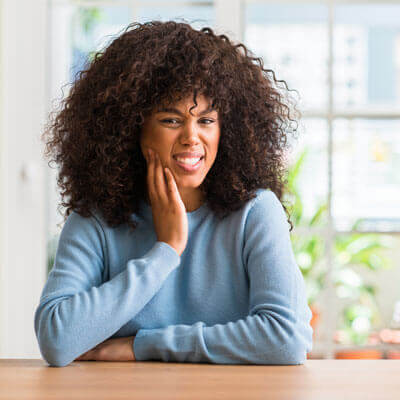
191,199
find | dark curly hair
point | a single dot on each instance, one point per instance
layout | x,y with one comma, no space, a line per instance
94,137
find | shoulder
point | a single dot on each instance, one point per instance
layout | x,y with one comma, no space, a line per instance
76,219
265,195
85,233
267,201
77,225
266,227
266,209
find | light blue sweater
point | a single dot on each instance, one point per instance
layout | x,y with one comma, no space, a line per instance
234,296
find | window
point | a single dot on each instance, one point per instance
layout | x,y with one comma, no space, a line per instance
81,28
343,59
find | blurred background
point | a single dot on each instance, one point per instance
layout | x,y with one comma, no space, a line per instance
342,57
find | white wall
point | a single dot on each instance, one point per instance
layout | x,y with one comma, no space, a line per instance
27,185
22,172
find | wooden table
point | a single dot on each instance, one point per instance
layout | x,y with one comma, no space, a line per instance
316,379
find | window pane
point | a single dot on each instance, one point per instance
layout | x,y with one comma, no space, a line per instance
366,275
92,29
367,56
77,32
366,179
308,170
156,3
293,41
309,251
197,16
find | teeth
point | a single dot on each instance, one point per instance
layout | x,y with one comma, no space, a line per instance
190,161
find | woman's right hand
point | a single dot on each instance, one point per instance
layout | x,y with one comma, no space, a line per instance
169,212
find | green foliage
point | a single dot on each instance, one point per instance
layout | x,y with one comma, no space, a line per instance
308,249
51,252
84,21
88,17
350,251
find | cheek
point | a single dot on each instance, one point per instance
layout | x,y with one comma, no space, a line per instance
150,138
159,140
215,146
164,146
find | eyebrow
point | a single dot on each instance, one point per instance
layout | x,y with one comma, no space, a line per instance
176,111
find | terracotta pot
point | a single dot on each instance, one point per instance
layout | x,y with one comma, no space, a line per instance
314,322
315,318
393,355
365,354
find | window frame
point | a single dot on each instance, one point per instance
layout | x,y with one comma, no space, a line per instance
229,17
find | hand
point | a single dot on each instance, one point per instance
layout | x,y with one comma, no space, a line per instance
117,349
169,212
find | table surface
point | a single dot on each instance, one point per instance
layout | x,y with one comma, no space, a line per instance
316,379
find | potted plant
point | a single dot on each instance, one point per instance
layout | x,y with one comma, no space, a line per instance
308,249
351,252
360,313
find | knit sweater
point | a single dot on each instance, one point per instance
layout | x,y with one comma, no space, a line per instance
234,296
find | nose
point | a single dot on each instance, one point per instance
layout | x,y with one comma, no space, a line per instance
190,133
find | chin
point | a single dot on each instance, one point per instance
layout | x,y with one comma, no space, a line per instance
188,182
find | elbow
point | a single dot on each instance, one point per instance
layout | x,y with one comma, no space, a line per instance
296,356
296,348
288,354
54,355
291,344
55,358
50,345
292,353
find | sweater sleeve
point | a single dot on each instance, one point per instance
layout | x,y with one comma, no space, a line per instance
77,309
277,329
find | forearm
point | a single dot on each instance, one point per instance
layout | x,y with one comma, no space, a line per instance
68,325
257,339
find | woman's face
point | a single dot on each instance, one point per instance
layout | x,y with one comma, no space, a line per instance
172,130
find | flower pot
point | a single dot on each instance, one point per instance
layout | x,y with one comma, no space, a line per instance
393,355
313,322
315,318
365,354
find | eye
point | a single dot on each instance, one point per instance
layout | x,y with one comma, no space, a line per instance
168,120
206,119
173,120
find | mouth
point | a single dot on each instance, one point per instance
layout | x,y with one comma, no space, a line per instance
190,165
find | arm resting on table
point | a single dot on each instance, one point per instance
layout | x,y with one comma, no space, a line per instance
277,329
77,310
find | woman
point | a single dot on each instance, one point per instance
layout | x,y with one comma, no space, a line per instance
176,246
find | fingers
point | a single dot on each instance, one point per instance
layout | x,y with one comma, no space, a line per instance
150,175
173,191
159,180
156,184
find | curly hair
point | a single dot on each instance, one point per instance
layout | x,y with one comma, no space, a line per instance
94,137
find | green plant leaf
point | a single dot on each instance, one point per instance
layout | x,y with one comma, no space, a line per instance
320,213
